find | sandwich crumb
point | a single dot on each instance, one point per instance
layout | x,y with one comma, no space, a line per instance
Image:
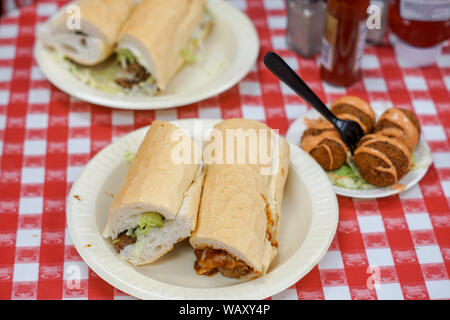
88,246
77,197
109,194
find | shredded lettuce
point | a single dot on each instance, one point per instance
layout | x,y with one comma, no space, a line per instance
344,171
192,53
208,13
103,76
99,78
348,177
148,86
139,246
150,80
188,55
129,156
125,56
424,163
73,68
215,68
146,222
149,220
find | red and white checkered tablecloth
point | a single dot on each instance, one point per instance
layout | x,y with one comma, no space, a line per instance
46,137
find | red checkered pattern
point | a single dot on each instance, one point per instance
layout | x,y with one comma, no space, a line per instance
391,248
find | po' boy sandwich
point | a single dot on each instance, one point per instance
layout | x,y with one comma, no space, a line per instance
239,214
87,30
158,201
157,40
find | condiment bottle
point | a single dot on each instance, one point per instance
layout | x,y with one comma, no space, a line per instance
343,41
305,24
421,27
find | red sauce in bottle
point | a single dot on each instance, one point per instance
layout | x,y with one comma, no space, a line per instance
420,23
343,41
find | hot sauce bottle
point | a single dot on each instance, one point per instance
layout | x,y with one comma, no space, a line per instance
343,41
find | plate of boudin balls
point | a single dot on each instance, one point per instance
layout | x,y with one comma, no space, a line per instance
391,157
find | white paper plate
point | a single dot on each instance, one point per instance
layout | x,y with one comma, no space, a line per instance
422,155
308,223
233,43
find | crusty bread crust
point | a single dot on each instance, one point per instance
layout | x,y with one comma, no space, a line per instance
154,182
108,15
100,19
189,216
238,203
159,30
158,182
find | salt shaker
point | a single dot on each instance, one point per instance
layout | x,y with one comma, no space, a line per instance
305,25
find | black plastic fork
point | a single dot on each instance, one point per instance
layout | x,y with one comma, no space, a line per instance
350,131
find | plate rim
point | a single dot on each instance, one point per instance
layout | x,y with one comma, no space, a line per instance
324,206
359,194
171,101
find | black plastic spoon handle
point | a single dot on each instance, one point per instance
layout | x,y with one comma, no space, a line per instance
281,69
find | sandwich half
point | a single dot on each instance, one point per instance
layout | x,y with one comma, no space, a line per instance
158,201
240,208
94,39
157,40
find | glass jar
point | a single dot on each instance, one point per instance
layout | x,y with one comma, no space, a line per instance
305,24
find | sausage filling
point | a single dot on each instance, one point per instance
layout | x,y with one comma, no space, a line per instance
137,236
123,240
210,261
131,73
136,74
